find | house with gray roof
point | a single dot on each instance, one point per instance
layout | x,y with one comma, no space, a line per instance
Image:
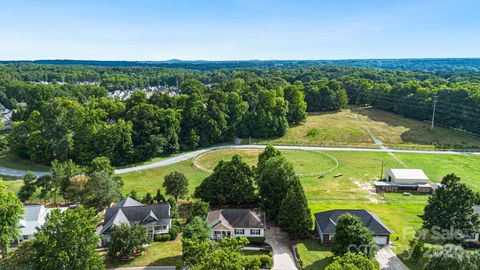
156,218
236,223
325,223
34,217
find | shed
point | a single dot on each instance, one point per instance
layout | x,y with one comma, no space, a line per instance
406,176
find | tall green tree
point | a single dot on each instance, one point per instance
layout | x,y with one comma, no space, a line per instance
67,241
231,182
451,207
267,153
176,184
101,190
29,186
11,210
351,261
273,183
61,173
294,216
197,228
198,208
127,241
352,236
452,257
297,106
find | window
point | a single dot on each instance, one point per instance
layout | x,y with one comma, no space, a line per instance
25,237
240,231
255,231
160,228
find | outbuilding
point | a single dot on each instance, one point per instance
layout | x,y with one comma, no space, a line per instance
401,180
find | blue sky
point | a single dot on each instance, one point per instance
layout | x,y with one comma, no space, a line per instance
238,29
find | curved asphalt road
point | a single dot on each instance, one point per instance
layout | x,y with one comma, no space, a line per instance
19,173
193,154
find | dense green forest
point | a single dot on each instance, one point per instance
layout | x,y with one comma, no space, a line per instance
68,111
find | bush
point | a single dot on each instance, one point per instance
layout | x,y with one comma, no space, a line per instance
162,237
265,261
173,232
313,132
256,240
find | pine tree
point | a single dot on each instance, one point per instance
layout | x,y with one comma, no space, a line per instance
294,216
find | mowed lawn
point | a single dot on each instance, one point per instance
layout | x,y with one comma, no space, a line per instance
157,254
349,128
304,162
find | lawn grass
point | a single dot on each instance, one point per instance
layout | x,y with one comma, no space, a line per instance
437,166
151,180
304,162
12,161
13,185
329,128
349,127
157,254
313,255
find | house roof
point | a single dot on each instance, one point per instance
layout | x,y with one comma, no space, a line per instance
326,221
146,215
33,217
236,218
128,202
416,174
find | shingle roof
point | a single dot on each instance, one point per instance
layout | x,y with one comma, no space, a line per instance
154,214
326,221
33,217
237,218
128,202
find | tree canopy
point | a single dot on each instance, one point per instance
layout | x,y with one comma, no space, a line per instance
232,182
352,236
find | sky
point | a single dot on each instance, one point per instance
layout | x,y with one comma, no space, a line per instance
238,29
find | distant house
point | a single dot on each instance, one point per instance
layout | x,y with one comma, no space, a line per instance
476,236
156,218
401,180
325,225
236,222
33,217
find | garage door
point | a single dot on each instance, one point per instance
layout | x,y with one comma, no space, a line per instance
380,240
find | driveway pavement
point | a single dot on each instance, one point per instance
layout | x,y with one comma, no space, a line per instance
388,260
282,253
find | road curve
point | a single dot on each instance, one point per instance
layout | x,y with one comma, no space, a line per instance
193,154
10,172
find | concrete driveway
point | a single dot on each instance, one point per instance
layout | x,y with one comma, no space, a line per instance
281,246
388,260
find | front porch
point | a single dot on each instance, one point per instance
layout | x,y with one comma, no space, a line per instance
219,234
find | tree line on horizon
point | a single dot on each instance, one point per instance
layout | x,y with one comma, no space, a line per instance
80,122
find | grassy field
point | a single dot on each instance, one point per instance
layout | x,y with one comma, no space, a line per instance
352,190
157,254
304,162
349,127
14,162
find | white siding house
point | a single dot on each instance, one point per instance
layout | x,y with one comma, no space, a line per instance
33,217
236,223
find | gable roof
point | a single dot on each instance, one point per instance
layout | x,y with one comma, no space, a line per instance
128,202
417,174
33,217
326,221
237,218
146,215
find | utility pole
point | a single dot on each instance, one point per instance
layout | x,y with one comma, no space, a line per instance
434,107
381,171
